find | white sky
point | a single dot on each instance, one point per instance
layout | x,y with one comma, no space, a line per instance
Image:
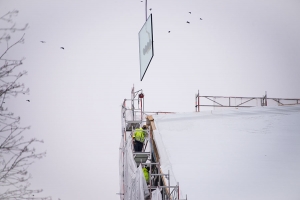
240,48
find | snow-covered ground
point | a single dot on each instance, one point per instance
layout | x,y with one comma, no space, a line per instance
250,153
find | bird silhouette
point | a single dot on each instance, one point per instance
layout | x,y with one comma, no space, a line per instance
187,22
200,18
62,47
190,12
169,31
28,100
150,9
43,42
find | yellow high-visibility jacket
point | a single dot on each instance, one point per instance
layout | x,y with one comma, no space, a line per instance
139,135
146,174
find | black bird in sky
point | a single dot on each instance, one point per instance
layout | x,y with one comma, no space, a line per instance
187,22
28,100
200,18
150,9
169,31
62,47
190,12
43,42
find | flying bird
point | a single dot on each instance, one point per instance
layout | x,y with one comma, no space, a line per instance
200,18
190,12
169,31
62,47
28,100
43,42
187,22
150,9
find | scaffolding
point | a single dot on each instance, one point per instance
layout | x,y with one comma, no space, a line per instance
236,102
134,117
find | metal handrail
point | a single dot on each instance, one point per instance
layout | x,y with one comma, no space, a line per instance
244,100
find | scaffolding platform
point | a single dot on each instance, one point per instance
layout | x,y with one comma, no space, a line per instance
141,157
132,124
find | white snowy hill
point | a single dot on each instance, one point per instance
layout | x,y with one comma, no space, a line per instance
250,153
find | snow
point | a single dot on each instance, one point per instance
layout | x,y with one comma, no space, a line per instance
250,153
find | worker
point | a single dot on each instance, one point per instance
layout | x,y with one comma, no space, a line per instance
139,138
146,174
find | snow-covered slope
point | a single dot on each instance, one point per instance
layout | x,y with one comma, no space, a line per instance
251,153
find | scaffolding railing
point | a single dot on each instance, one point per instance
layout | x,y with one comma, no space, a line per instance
237,101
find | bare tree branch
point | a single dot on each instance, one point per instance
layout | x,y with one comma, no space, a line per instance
9,47
7,17
13,29
17,153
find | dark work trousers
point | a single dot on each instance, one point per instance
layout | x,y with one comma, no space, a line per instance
138,146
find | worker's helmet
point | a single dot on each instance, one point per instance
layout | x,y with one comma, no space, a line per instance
144,127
